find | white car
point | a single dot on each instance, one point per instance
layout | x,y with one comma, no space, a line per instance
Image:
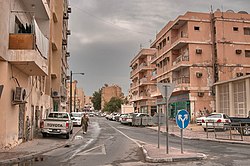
76,118
216,121
200,119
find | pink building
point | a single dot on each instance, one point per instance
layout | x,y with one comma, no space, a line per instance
197,50
142,85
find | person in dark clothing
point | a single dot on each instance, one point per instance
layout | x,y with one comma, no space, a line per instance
85,123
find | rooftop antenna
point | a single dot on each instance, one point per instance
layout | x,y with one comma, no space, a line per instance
140,46
211,8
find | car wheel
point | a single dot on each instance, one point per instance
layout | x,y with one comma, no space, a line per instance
246,130
44,135
67,136
205,129
71,132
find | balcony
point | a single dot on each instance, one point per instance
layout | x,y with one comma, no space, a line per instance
28,52
182,83
180,59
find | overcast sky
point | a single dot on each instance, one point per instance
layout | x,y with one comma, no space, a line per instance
107,34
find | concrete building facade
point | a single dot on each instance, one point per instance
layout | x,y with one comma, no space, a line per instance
25,63
233,96
142,85
197,50
107,92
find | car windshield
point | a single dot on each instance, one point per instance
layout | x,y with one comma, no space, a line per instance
215,116
58,115
76,115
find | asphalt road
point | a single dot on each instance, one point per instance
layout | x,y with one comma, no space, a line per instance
110,143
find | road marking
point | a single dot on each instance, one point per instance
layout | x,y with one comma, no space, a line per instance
90,151
78,150
78,137
126,136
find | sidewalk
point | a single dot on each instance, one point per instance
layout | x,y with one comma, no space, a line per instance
32,149
153,154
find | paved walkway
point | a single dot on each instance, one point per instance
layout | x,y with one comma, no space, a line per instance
36,147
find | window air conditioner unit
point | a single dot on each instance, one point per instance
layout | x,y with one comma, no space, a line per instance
198,51
64,42
239,74
200,94
65,16
69,10
238,51
198,74
19,94
55,94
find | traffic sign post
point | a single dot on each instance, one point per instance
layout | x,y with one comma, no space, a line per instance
166,90
182,120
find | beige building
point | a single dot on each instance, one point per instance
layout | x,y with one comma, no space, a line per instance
26,65
142,85
107,92
197,50
233,96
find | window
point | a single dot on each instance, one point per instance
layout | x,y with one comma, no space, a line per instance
196,28
168,38
235,29
247,53
246,31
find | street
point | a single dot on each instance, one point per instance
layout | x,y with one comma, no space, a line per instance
110,143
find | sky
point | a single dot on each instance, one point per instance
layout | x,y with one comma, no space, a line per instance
107,34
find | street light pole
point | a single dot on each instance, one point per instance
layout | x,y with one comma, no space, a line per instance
70,93
70,90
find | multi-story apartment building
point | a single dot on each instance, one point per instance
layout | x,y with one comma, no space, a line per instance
59,60
26,66
107,92
142,85
197,50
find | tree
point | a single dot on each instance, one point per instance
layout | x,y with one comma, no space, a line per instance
96,99
113,105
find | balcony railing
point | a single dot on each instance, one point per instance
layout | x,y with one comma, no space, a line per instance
180,59
182,80
30,49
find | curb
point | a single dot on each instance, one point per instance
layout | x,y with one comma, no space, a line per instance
207,139
199,156
35,154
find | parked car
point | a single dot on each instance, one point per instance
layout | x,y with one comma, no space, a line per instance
216,121
242,124
76,118
57,123
126,118
200,119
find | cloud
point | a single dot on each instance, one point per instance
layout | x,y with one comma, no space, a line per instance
107,34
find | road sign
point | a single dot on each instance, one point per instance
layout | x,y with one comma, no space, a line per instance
182,119
166,89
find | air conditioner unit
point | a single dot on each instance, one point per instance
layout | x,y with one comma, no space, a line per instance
200,94
239,74
55,94
69,10
19,94
68,32
198,51
64,42
65,16
238,51
198,74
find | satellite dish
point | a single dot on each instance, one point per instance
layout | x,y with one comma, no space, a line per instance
230,11
243,12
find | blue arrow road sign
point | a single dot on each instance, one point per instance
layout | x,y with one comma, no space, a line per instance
182,119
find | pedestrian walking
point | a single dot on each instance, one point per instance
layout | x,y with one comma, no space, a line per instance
85,123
